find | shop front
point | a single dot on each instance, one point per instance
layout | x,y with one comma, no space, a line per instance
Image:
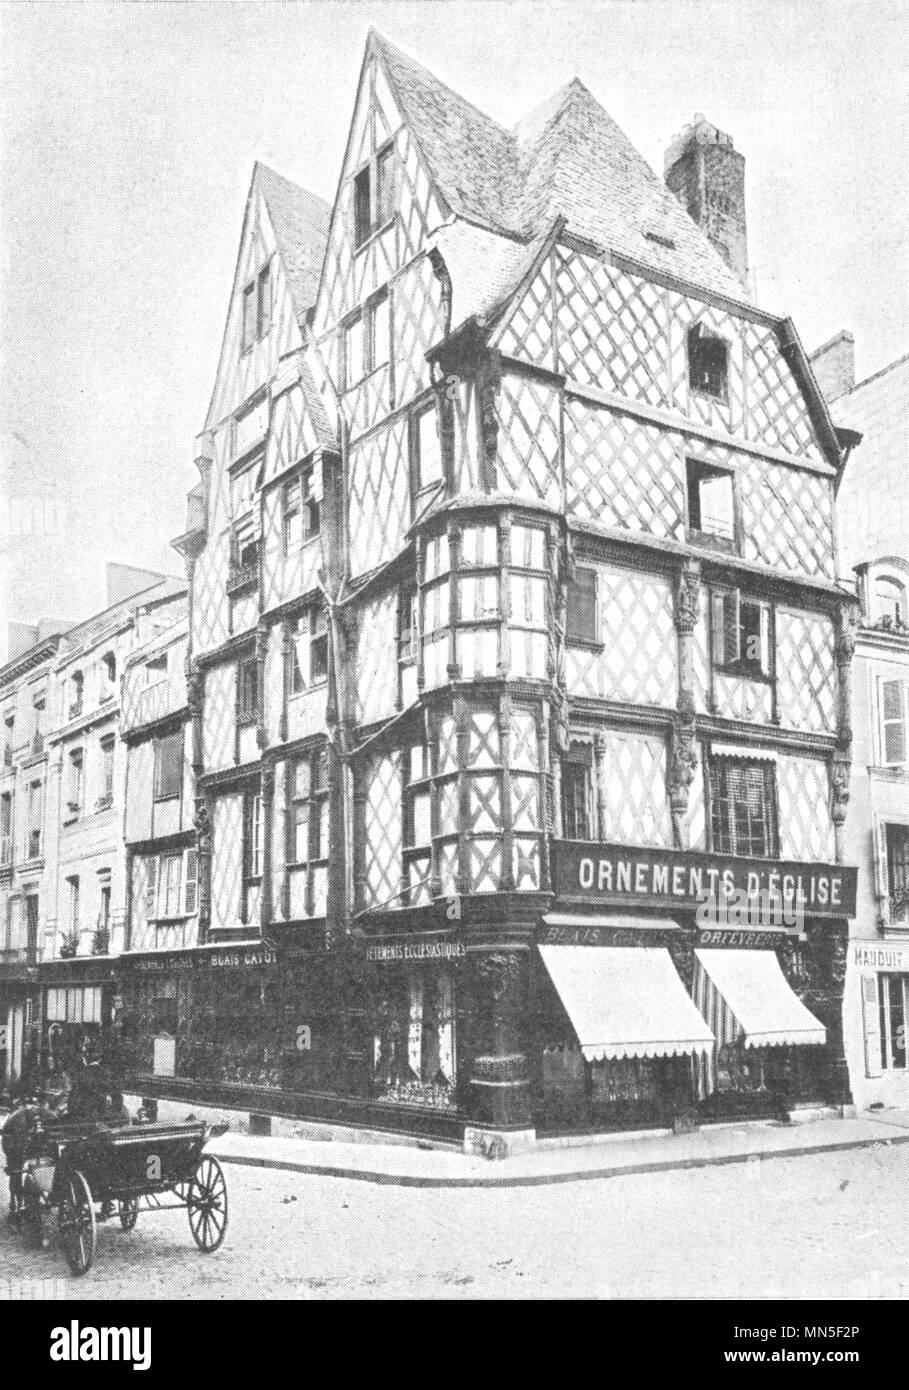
675,987
413,1031
876,1012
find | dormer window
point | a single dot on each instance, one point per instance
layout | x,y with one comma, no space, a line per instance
708,362
889,602
374,195
257,307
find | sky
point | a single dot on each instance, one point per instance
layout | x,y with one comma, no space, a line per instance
128,133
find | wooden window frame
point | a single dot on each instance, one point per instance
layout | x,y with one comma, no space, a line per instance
901,721
696,335
581,760
371,222
697,471
573,638
249,695
163,783
730,601
263,316
717,766
314,801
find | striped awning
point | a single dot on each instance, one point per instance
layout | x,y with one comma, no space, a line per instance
744,996
626,1001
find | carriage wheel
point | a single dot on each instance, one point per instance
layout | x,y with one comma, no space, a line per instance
33,1220
76,1223
206,1204
129,1212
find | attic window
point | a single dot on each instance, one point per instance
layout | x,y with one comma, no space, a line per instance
661,240
711,506
374,195
707,363
257,306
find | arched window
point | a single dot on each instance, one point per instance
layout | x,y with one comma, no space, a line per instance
889,601
110,668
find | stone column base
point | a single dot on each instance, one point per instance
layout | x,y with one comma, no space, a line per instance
497,1143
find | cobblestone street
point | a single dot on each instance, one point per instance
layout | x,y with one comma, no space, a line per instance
826,1226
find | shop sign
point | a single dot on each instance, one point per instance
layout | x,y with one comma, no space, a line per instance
878,955
612,873
225,958
416,950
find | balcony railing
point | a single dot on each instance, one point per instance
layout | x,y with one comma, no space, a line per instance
17,957
243,577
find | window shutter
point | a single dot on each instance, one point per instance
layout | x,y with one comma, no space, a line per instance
732,627
872,1024
151,884
190,880
893,722
879,850
765,640
718,627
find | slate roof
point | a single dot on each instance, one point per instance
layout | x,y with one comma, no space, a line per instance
300,222
569,158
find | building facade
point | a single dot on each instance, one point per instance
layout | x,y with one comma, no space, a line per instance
82,927
25,708
515,648
874,549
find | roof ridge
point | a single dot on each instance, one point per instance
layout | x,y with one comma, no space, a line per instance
260,166
427,73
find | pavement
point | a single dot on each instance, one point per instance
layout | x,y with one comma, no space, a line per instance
553,1161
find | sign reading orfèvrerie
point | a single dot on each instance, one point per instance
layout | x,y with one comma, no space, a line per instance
683,878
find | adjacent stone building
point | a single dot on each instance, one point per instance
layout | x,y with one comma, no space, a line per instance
873,527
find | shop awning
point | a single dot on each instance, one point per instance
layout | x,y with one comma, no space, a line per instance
626,1001
744,995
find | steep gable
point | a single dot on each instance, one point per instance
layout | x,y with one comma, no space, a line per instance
283,226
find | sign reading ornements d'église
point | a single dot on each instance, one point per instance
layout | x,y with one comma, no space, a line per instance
625,874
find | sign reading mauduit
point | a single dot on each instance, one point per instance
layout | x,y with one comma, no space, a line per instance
627,875
880,955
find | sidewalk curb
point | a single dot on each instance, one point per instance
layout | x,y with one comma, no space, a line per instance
546,1179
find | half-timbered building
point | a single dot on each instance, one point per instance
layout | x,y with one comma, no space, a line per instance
515,645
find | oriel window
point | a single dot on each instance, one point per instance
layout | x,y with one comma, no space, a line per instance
308,650
426,448
308,840
302,517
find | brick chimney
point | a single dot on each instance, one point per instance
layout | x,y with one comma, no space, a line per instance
834,365
708,177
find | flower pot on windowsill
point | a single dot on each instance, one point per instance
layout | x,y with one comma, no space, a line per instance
100,941
69,947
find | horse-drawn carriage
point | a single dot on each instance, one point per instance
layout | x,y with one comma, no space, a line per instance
74,1167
